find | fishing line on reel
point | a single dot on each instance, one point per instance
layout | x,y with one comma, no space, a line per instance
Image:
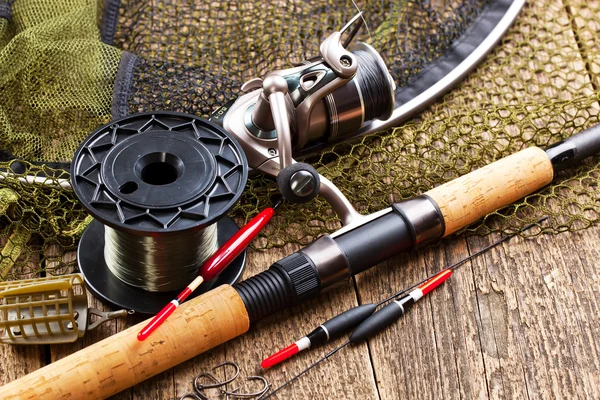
159,186
375,84
156,263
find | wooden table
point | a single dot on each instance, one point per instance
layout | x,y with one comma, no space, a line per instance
521,321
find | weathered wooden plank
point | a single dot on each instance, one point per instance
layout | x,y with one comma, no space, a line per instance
539,346
434,351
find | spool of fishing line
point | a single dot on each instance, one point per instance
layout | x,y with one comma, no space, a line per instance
158,186
374,83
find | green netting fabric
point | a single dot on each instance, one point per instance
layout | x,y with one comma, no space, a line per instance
242,40
170,86
56,79
532,90
57,83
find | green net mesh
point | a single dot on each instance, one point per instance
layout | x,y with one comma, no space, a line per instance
57,80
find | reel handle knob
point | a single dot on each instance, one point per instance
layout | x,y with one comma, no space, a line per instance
274,83
299,183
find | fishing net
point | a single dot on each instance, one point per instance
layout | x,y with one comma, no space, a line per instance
69,66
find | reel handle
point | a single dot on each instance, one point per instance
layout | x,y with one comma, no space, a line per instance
275,89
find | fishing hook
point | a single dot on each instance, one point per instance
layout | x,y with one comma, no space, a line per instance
218,383
199,387
256,395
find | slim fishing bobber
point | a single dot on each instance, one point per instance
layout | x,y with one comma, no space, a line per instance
396,309
214,265
159,186
329,330
341,323
378,321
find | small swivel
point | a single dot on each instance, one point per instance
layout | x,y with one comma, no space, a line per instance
299,183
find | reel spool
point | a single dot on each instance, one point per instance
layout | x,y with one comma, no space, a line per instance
327,109
47,310
159,186
318,106
367,96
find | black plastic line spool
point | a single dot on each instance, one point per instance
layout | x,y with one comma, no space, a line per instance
154,174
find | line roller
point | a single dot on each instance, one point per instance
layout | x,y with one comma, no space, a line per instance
159,186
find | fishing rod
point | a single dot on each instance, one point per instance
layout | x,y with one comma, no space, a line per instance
342,323
120,361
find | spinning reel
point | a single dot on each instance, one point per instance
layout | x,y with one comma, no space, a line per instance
325,100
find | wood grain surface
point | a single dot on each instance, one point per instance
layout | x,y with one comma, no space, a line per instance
521,321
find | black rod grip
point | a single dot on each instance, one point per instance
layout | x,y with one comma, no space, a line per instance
291,280
331,260
375,241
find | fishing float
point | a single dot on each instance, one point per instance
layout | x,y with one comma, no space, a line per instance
214,265
342,323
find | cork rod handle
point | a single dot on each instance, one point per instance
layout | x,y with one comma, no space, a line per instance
472,196
121,361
